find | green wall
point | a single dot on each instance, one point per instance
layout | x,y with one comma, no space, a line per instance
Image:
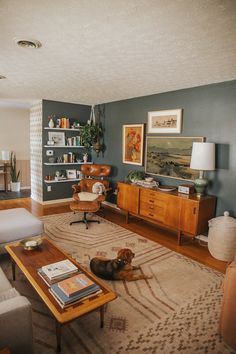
208,111
76,112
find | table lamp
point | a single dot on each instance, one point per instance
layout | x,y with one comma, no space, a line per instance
5,156
202,159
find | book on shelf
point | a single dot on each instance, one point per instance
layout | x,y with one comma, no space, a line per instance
56,270
75,284
55,280
76,302
66,300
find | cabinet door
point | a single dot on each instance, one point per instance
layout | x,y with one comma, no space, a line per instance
172,214
189,216
128,197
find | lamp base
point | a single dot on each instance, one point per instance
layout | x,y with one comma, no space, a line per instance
200,185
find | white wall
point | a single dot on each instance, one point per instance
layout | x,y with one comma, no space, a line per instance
15,131
15,136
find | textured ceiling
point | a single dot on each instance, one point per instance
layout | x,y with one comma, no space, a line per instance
96,51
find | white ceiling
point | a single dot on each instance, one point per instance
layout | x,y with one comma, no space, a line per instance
96,51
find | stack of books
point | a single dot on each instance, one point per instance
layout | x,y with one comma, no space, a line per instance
52,273
74,289
67,284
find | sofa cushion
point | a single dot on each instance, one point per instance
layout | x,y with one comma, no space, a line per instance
8,294
17,224
4,283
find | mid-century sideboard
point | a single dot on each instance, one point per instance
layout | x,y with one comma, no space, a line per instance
185,214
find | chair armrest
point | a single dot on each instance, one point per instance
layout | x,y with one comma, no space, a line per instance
76,188
16,325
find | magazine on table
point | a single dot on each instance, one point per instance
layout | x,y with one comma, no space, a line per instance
55,270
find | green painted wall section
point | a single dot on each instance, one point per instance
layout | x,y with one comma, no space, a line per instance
76,112
208,111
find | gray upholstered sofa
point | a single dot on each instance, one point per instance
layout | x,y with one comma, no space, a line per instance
17,224
15,319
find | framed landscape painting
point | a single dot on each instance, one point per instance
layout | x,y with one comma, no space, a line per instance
167,121
133,144
170,157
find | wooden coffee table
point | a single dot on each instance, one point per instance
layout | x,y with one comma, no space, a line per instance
30,261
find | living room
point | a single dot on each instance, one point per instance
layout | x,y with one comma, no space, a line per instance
118,68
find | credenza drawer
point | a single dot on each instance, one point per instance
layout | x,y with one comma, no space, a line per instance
152,200
152,211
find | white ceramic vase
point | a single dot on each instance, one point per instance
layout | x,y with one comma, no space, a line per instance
15,186
51,123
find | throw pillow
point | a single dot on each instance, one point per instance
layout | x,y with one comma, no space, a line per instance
98,188
87,197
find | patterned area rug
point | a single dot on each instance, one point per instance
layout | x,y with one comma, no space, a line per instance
177,311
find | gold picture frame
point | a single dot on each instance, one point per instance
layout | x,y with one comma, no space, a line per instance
170,157
133,138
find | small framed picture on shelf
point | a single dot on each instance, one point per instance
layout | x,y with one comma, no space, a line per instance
71,174
57,137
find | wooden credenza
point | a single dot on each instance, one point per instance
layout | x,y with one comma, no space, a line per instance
185,214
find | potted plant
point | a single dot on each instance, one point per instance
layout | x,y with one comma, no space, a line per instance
15,184
89,134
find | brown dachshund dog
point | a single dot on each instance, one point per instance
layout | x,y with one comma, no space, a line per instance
119,268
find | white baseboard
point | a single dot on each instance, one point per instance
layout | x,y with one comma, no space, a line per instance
56,201
202,238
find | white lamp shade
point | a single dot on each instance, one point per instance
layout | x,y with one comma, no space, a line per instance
5,155
203,157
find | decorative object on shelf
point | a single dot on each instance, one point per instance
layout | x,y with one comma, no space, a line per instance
186,188
134,176
222,237
64,123
51,121
52,159
167,121
57,137
133,144
170,156
65,158
15,184
50,143
71,174
85,157
202,159
58,125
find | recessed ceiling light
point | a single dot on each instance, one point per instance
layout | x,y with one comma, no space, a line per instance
2,77
28,43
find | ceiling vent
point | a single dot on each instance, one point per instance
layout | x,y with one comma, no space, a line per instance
28,43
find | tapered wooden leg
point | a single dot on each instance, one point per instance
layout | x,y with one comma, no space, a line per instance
102,316
58,335
13,267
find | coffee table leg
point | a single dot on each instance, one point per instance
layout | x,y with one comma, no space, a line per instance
102,316
58,335
13,267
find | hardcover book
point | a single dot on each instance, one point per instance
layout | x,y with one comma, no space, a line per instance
57,269
75,284
69,300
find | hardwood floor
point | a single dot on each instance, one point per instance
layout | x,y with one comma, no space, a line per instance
189,248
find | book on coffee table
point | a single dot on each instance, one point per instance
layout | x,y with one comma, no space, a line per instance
75,284
66,300
76,302
56,270
55,280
